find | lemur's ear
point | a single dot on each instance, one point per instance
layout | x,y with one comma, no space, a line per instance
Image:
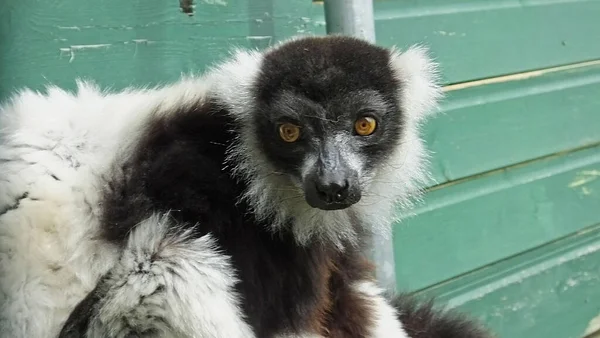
419,79
232,80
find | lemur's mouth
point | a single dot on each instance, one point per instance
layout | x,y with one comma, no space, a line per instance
331,206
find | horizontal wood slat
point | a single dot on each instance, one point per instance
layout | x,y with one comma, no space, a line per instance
476,39
470,224
550,292
492,126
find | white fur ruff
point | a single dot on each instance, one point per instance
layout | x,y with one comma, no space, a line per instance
386,323
54,150
168,284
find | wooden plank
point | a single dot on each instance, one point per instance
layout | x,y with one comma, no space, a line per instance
137,42
550,292
491,126
476,39
474,223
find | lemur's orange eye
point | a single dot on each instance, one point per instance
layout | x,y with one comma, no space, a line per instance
365,126
289,132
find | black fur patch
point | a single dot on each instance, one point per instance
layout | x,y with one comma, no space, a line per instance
319,69
178,166
78,321
422,320
15,205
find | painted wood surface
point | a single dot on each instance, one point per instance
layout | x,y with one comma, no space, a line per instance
487,127
476,39
136,42
468,225
551,291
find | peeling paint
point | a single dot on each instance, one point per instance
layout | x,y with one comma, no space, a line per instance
142,41
79,28
215,2
72,49
69,28
259,37
444,33
591,172
586,191
82,47
518,306
571,282
584,177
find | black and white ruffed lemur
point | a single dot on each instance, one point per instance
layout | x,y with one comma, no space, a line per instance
233,204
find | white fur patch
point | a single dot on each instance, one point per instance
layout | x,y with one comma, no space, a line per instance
171,285
419,76
397,183
386,322
54,149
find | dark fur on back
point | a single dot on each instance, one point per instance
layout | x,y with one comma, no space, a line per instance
422,320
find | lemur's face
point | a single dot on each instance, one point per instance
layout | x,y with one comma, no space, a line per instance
327,116
327,132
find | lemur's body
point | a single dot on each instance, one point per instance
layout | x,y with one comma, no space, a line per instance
189,216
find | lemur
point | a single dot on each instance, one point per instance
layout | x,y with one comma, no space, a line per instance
237,203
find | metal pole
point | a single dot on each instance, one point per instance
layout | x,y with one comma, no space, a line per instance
355,18
350,17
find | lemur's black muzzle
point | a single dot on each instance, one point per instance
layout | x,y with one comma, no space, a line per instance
331,184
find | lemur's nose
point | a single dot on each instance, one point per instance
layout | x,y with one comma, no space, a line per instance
332,191
331,183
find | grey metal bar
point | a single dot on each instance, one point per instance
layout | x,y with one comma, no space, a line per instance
350,17
355,18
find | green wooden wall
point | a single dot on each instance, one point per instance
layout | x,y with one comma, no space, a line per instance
510,231
512,225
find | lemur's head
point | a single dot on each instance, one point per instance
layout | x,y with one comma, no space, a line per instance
328,131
